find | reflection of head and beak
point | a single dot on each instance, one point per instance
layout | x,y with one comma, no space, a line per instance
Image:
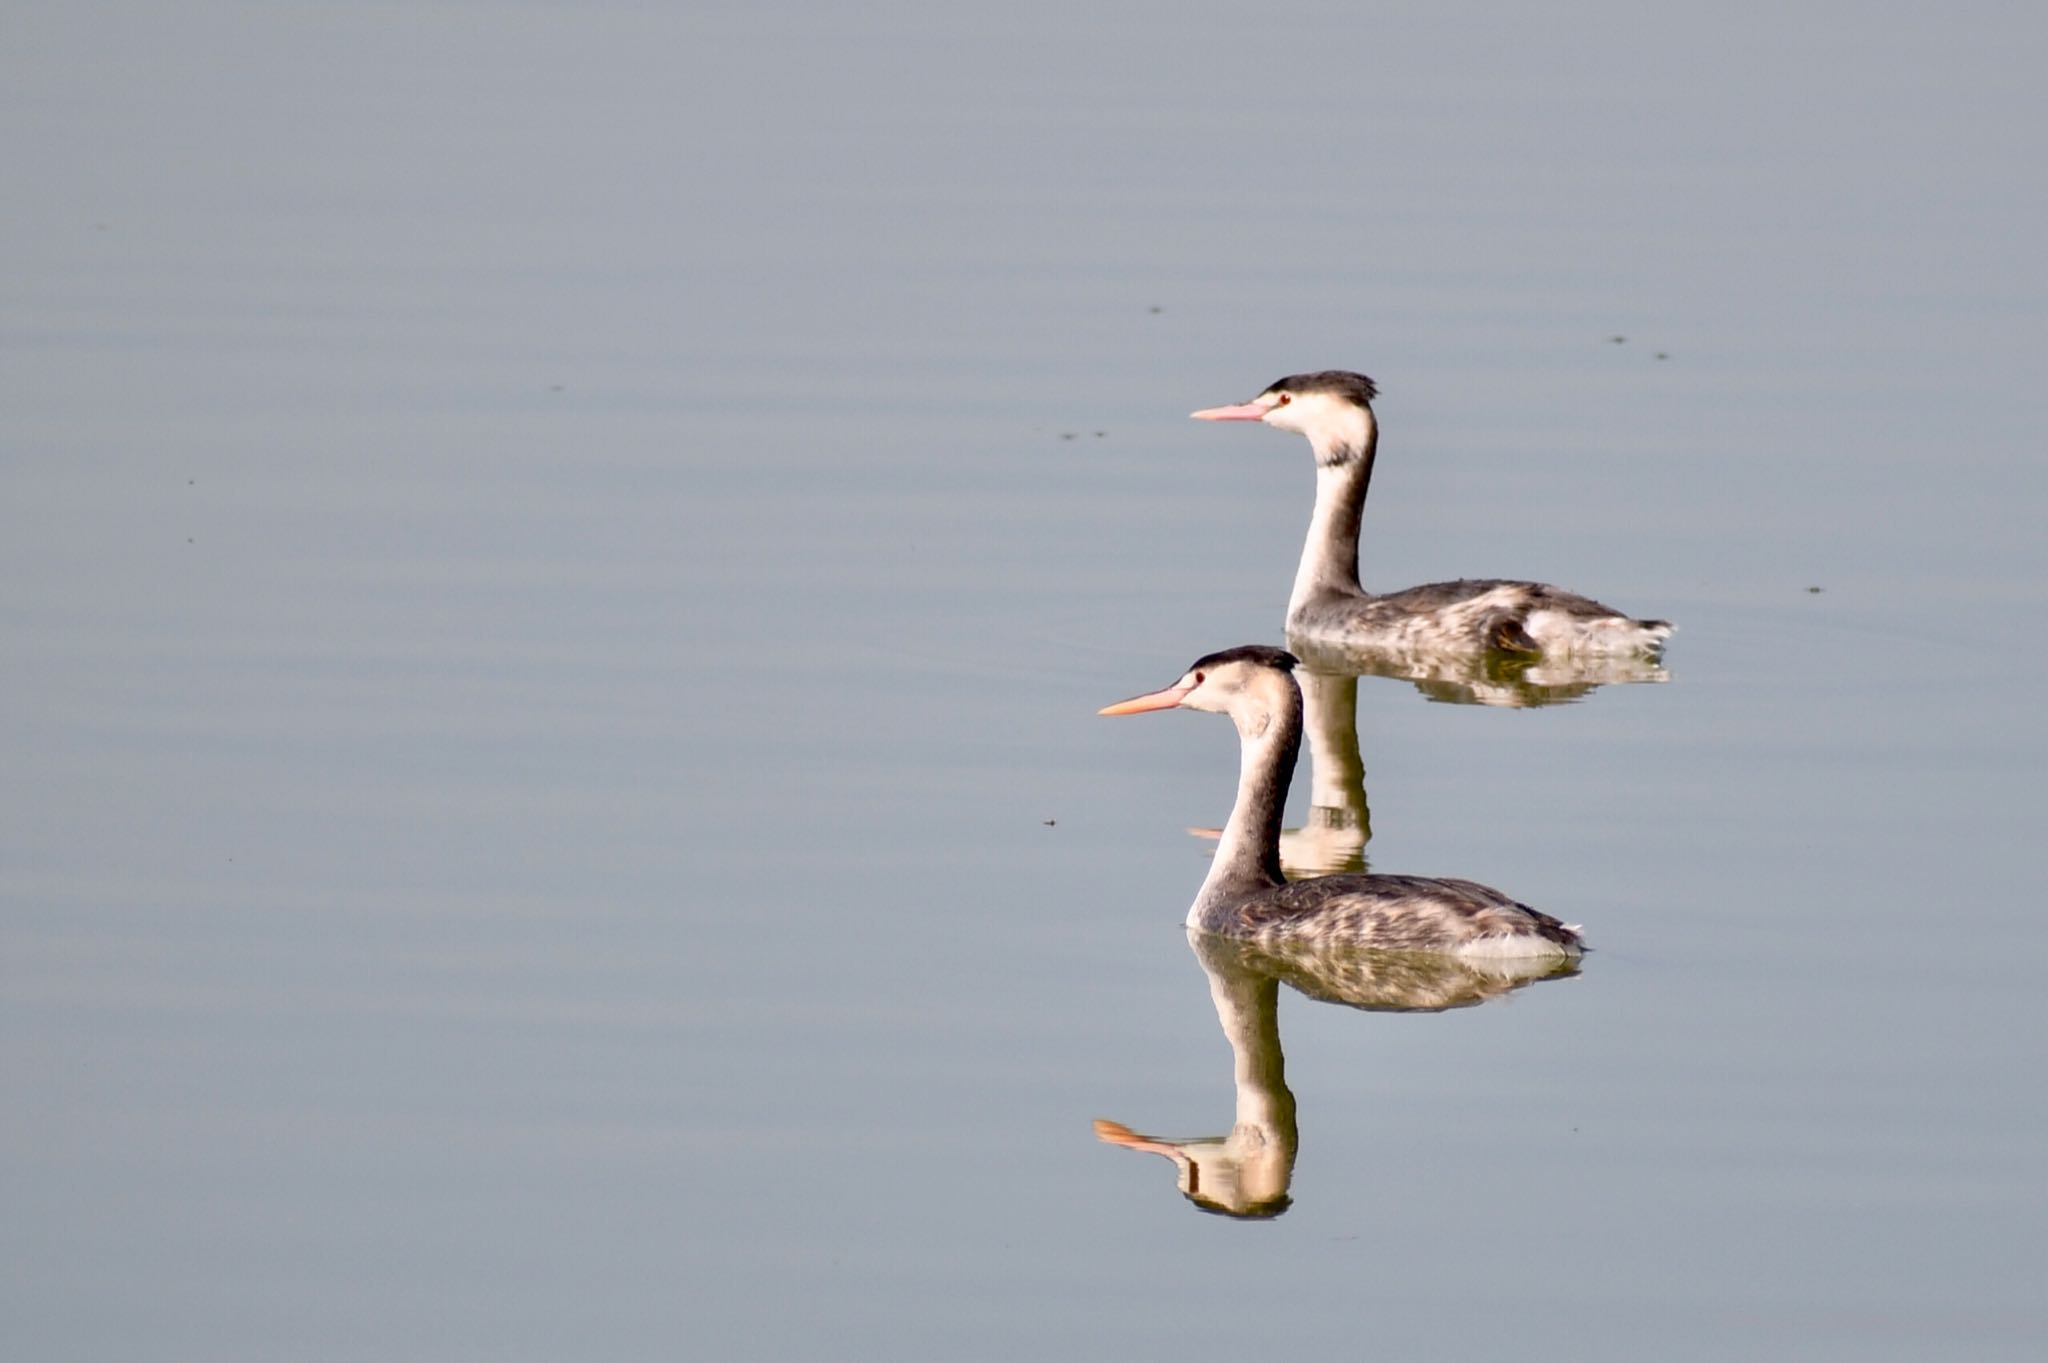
1245,1173
1248,1172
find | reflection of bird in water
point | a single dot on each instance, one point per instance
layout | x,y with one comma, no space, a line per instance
1511,681
1334,410
1246,894
1248,1172
1339,822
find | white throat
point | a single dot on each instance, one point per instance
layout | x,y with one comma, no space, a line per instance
1269,738
1329,557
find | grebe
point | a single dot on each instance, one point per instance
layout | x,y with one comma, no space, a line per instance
1246,895
1333,409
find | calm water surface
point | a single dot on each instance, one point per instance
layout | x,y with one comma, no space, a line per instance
558,567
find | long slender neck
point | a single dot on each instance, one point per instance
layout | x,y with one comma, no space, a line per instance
1269,735
1329,560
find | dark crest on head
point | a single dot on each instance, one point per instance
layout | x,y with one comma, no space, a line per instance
1354,388
1277,658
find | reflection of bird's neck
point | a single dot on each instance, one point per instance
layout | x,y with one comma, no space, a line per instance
1329,559
1248,1172
1336,771
1247,1007
1269,734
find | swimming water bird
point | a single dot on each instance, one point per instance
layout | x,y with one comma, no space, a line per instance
1246,895
1333,409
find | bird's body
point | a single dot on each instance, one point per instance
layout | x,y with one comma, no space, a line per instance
1328,606
1471,615
1390,913
1246,895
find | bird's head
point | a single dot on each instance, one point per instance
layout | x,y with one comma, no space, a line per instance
1231,682
1333,408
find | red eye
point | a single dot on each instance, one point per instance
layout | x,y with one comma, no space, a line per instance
1198,678
1285,398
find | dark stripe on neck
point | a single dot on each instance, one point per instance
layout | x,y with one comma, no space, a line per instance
1338,456
1257,855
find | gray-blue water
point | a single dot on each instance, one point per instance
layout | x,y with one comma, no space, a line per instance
557,564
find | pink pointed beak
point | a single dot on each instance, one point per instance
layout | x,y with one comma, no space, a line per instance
1154,700
1244,411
